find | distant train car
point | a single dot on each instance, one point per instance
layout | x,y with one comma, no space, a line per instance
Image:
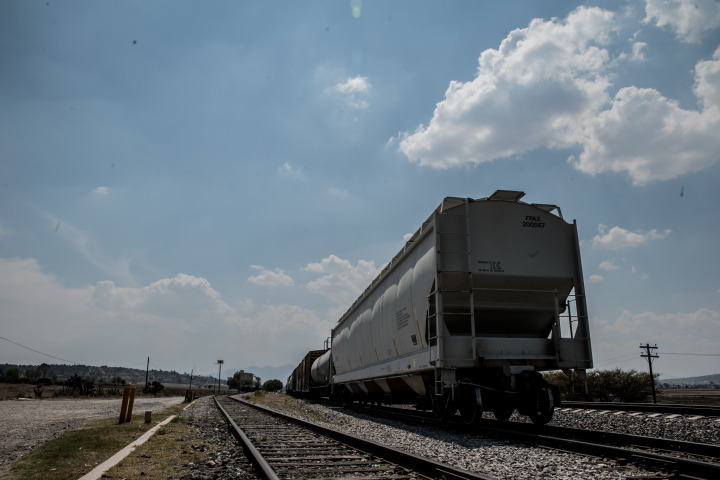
468,314
247,381
300,381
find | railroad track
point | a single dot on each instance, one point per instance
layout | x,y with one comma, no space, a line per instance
663,408
284,447
696,460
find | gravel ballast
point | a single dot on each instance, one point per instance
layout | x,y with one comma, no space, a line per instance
506,459
209,428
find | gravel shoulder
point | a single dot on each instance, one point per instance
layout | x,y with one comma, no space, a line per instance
27,424
496,457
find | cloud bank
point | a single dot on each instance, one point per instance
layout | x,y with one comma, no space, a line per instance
548,86
691,20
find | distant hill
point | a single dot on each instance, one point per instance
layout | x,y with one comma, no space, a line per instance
130,375
704,380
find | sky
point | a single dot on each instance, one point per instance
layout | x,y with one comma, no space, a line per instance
194,181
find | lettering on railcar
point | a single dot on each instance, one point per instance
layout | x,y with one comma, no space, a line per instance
533,221
490,266
402,317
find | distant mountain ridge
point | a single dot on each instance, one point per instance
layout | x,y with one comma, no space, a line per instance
703,380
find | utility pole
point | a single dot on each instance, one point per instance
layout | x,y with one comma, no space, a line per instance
650,357
220,363
147,372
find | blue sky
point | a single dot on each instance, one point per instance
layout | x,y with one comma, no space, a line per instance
193,181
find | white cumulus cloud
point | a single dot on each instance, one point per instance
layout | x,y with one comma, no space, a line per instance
528,93
182,322
341,282
691,20
651,137
618,238
271,278
608,266
547,85
353,90
596,278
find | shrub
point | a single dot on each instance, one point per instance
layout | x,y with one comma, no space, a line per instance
154,388
12,375
88,386
38,391
272,386
605,385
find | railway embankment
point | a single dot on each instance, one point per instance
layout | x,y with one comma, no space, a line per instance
198,446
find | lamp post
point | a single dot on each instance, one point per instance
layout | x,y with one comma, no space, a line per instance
220,362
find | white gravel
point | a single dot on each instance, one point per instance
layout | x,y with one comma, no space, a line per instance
498,458
27,424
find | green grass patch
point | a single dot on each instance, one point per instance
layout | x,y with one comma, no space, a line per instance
77,452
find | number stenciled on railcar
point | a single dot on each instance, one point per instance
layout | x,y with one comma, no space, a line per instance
533,221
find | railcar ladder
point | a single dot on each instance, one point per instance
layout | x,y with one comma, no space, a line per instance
464,287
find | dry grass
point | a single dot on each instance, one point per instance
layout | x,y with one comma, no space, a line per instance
79,451
167,454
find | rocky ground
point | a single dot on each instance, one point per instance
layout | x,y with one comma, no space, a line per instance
206,427
27,424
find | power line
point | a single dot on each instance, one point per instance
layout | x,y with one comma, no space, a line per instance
41,353
633,355
620,359
693,354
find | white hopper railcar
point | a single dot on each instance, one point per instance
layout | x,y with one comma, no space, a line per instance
468,313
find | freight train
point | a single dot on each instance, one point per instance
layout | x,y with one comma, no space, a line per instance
246,381
484,296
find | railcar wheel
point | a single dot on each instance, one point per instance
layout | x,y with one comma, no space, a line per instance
543,406
470,403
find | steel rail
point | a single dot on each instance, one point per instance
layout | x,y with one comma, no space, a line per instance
623,447
669,408
256,458
424,466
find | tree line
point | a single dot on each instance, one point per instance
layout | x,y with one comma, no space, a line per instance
605,385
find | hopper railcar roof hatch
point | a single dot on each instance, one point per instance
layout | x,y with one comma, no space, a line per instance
515,196
507,195
548,208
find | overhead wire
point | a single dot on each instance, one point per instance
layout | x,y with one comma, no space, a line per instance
38,351
613,360
691,354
